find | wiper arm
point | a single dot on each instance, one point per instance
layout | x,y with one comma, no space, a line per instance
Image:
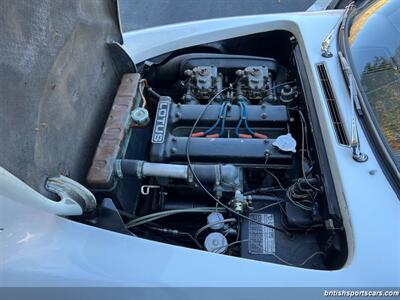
326,43
354,140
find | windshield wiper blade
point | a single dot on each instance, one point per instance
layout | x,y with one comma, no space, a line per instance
326,43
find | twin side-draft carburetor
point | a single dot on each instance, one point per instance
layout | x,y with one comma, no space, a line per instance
252,84
244,127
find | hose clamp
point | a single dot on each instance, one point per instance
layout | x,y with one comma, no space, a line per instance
189,175
118,169
139,169
218,174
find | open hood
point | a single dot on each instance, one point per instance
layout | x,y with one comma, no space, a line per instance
207,147
57,85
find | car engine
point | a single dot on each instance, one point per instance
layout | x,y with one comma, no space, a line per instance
216,151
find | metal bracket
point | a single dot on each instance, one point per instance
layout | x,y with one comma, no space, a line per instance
145,189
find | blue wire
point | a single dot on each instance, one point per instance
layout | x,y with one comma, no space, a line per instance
223,111
240,121
209,130
245,120
221,132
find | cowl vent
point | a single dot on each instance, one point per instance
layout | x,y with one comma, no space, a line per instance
332,105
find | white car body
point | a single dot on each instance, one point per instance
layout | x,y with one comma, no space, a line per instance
38,248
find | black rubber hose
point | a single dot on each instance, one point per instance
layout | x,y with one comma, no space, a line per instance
304,182
129,167
206,173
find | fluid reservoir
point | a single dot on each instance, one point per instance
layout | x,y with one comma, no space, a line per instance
215,220
216,242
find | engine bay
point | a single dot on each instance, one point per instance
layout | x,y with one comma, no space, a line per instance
215,147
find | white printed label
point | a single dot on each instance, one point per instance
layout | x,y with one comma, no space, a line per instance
261,238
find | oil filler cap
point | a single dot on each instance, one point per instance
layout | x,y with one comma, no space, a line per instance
285,143
216,242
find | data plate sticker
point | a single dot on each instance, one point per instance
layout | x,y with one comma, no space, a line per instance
261,238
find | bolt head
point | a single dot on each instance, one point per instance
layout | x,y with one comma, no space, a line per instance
327,54
362,157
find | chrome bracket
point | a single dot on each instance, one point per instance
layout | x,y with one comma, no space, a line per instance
71,191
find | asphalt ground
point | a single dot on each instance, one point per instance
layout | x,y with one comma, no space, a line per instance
138,14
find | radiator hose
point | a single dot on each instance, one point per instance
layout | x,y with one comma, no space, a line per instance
219,174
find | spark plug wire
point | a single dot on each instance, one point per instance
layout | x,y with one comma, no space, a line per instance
209,130
243,119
